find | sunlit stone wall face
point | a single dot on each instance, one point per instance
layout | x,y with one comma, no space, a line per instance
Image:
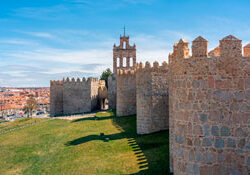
126,92
112,91
152,97
210,112
72,96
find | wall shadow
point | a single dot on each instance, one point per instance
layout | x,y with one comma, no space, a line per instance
152,150
92,118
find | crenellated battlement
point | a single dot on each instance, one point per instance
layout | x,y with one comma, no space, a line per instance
229,47
246,49
207,97
76,81
74,95
230,59
164,67
56,82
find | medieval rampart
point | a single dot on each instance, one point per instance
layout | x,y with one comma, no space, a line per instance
76,96
112,91
72,96
56,98
152,85
210,109
126,92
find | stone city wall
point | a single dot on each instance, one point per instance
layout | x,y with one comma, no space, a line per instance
209,111
152,85
247,50
72,96
112,91
56,98
76,96
126,92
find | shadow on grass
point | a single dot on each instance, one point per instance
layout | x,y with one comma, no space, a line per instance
152,150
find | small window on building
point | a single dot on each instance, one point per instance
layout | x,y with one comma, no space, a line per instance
124,62
124,45
131,62
118,62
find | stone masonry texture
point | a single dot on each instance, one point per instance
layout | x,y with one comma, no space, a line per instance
124,58
209,111
124,55
112,91
56,98
152,97
126,92
203,99
74,96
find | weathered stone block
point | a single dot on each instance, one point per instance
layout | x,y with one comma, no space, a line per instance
206,142
231,143
206,130
203,117
224,131
199,157
242,143
215,130
219,143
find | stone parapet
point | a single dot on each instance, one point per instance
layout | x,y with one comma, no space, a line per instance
71,96
152,97
209,112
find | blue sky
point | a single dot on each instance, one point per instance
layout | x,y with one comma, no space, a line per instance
50,39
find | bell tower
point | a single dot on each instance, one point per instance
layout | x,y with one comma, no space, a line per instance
124,55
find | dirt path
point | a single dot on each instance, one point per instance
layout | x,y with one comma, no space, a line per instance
74,117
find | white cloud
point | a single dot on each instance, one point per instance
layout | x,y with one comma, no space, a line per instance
39,34
17,41
44,62
65,56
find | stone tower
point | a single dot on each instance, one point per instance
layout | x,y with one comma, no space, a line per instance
199,47
182,50
124,58
209,110
124,55
247,50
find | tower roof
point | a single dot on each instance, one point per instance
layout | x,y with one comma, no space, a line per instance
182,41
199,38
230,38
175,43
247,46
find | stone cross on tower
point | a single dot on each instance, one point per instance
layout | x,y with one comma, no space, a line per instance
124,31
124,55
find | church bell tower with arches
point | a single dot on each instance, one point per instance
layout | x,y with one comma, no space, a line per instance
124,55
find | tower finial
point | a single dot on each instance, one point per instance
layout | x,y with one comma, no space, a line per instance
124,30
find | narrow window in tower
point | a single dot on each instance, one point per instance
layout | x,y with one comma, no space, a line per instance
131,62
118,62
124,45
124,62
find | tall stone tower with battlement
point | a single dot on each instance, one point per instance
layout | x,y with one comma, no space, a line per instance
247,50
124,55
124,58
209,109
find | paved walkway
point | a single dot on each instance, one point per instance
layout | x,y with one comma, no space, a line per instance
74,117
14,129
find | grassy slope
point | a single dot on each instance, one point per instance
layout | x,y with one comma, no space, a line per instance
75,147
18,123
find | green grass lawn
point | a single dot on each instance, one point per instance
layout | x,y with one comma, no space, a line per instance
76,147
18,123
